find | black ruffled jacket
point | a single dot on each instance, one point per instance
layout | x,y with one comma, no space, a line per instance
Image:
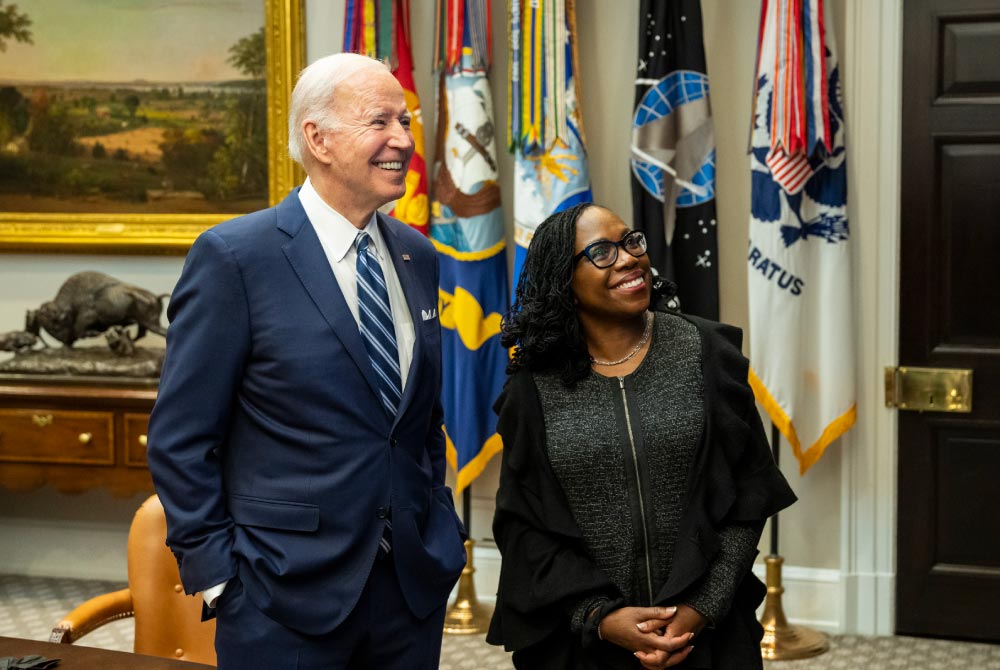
546,569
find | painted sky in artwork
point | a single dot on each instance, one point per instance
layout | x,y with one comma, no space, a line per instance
128,40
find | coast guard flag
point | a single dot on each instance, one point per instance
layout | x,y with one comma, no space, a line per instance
381,29
545,130
799,261
673,154
467,230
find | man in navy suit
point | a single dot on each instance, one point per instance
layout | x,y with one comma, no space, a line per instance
303,485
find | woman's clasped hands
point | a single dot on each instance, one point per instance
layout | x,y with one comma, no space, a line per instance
660,637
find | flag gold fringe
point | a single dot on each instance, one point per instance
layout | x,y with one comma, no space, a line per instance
808,457
483,254
475,467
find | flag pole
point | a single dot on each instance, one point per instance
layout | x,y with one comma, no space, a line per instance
467,615
783,641
776,451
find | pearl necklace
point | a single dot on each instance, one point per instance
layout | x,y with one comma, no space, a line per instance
638,347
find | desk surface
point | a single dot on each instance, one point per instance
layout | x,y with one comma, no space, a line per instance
73,657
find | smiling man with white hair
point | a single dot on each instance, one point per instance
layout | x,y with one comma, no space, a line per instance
296,442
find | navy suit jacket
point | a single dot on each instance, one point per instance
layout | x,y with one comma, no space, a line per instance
269,448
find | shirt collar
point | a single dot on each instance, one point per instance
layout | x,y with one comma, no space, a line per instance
330,224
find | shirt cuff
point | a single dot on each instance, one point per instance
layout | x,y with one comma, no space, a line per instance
211,595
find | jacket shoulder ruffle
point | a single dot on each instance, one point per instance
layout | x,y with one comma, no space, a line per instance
745,485
545,567
545,564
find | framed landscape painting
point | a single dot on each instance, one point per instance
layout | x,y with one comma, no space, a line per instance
133,126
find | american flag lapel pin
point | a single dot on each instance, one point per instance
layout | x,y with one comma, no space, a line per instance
406,257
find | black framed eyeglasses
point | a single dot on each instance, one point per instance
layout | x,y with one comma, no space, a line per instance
604,253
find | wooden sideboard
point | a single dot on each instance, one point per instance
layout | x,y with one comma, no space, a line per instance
74,435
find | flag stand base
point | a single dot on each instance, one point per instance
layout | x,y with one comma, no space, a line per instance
783,641
467,616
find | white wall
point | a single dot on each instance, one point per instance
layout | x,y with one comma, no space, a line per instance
810,531
45,532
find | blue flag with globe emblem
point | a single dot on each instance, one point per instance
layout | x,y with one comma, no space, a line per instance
673,154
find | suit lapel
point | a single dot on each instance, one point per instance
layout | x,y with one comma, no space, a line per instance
408,280
305,254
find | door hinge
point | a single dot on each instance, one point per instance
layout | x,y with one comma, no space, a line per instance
928,389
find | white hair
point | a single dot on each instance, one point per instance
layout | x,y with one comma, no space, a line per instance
314,95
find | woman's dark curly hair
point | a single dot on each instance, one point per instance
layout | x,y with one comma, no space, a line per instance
542,323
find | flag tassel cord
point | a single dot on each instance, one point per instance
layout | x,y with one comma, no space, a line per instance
783,641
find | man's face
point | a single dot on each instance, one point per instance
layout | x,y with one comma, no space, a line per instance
371,145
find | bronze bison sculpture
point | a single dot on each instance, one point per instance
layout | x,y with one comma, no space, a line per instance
90,303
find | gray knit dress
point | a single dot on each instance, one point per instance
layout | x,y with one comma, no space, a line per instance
622,449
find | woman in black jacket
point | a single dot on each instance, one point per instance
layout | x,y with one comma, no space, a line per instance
636,475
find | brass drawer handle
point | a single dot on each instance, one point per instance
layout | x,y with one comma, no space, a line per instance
142,440
41,420
85,438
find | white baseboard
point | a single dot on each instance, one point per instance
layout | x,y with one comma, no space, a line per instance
51,548
868,600
813,597
818,598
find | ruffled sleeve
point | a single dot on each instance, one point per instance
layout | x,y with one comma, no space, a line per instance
745,486
545,571
734,480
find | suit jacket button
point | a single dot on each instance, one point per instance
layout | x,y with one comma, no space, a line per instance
393,442
381,513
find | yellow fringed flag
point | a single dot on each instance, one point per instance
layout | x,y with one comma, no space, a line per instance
467,230
799,257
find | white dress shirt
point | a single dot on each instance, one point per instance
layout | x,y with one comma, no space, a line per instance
337,235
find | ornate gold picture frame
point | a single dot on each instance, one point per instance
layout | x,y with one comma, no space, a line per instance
284,39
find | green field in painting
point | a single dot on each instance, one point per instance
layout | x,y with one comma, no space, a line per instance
133,148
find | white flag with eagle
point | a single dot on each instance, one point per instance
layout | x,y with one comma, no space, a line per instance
799,257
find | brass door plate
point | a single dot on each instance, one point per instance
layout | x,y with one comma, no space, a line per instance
928,389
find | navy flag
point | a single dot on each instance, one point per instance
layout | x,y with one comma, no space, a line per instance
673,153
467,230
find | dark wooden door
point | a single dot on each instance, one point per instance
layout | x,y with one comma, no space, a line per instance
948,558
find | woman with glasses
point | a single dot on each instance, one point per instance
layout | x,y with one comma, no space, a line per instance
636,476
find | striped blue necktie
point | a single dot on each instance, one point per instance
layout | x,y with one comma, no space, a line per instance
375,321
379,334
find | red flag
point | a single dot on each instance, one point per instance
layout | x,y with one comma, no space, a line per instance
366,22
413,207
